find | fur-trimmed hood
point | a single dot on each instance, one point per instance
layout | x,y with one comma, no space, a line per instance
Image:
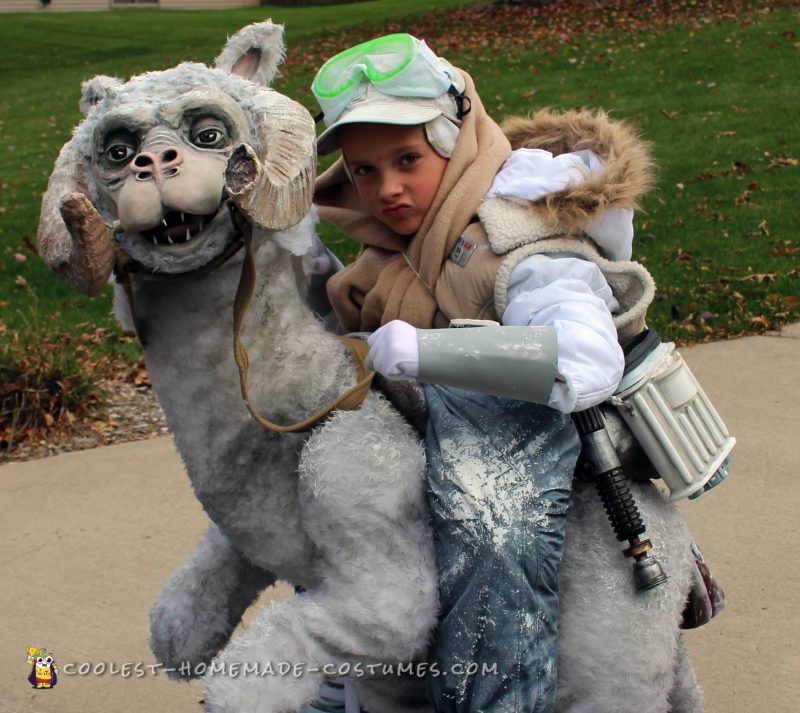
557,222
624,174
627,165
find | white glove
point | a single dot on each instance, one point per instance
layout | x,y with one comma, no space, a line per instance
394,351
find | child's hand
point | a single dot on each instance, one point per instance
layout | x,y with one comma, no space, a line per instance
394,351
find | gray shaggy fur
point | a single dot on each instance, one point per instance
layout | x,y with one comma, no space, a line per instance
340,512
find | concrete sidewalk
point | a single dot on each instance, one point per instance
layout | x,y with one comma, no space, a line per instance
90,537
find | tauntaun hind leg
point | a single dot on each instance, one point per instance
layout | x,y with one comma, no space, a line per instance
362,476
619,647
686,696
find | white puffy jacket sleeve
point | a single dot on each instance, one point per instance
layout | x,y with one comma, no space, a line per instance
572,296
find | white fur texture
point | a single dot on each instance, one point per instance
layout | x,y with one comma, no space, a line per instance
352,528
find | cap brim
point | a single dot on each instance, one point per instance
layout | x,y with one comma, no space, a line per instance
400,113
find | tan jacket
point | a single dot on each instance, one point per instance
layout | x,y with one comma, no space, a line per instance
465,289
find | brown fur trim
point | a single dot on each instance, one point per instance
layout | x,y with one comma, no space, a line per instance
628,172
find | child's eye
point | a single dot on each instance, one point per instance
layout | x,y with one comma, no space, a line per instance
409,159
363,170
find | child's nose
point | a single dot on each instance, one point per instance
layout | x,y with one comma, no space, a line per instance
390,186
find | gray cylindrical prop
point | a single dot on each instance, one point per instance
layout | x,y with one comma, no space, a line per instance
515,362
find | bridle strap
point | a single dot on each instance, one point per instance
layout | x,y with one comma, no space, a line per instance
348,401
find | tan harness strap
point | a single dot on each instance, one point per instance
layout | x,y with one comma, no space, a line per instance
348,401
124,279
124,267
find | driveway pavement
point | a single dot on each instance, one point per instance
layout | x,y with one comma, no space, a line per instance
90,537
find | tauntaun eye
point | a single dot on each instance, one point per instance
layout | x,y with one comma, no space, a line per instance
119,153
120,147
209,134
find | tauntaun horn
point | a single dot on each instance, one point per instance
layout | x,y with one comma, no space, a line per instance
73,238
274,188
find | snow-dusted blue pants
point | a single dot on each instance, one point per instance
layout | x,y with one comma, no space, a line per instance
499,480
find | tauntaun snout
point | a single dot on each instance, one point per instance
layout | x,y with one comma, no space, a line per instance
170,189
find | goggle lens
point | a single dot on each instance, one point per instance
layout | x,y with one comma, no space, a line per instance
377,60
397,65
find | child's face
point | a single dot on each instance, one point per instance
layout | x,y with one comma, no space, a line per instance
394,170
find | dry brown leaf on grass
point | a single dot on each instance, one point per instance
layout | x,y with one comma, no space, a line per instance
760,277
761,229
760,324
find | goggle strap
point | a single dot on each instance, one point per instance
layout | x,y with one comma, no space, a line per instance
460,98
319,117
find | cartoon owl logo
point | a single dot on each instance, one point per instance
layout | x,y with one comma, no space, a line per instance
44,672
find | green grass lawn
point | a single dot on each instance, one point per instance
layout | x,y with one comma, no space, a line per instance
713,87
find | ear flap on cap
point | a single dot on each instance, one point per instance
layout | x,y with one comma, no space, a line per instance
442,135
254,52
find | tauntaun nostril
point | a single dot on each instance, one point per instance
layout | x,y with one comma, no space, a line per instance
143,161
169,156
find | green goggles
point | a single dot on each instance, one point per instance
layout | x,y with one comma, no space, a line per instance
398,65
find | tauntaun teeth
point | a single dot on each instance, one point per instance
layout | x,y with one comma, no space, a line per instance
164,221
183,218
188,237
169,240
155,242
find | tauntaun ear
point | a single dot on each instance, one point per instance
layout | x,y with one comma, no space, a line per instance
94,90
254,52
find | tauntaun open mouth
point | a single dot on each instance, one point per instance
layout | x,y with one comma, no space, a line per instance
176,228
